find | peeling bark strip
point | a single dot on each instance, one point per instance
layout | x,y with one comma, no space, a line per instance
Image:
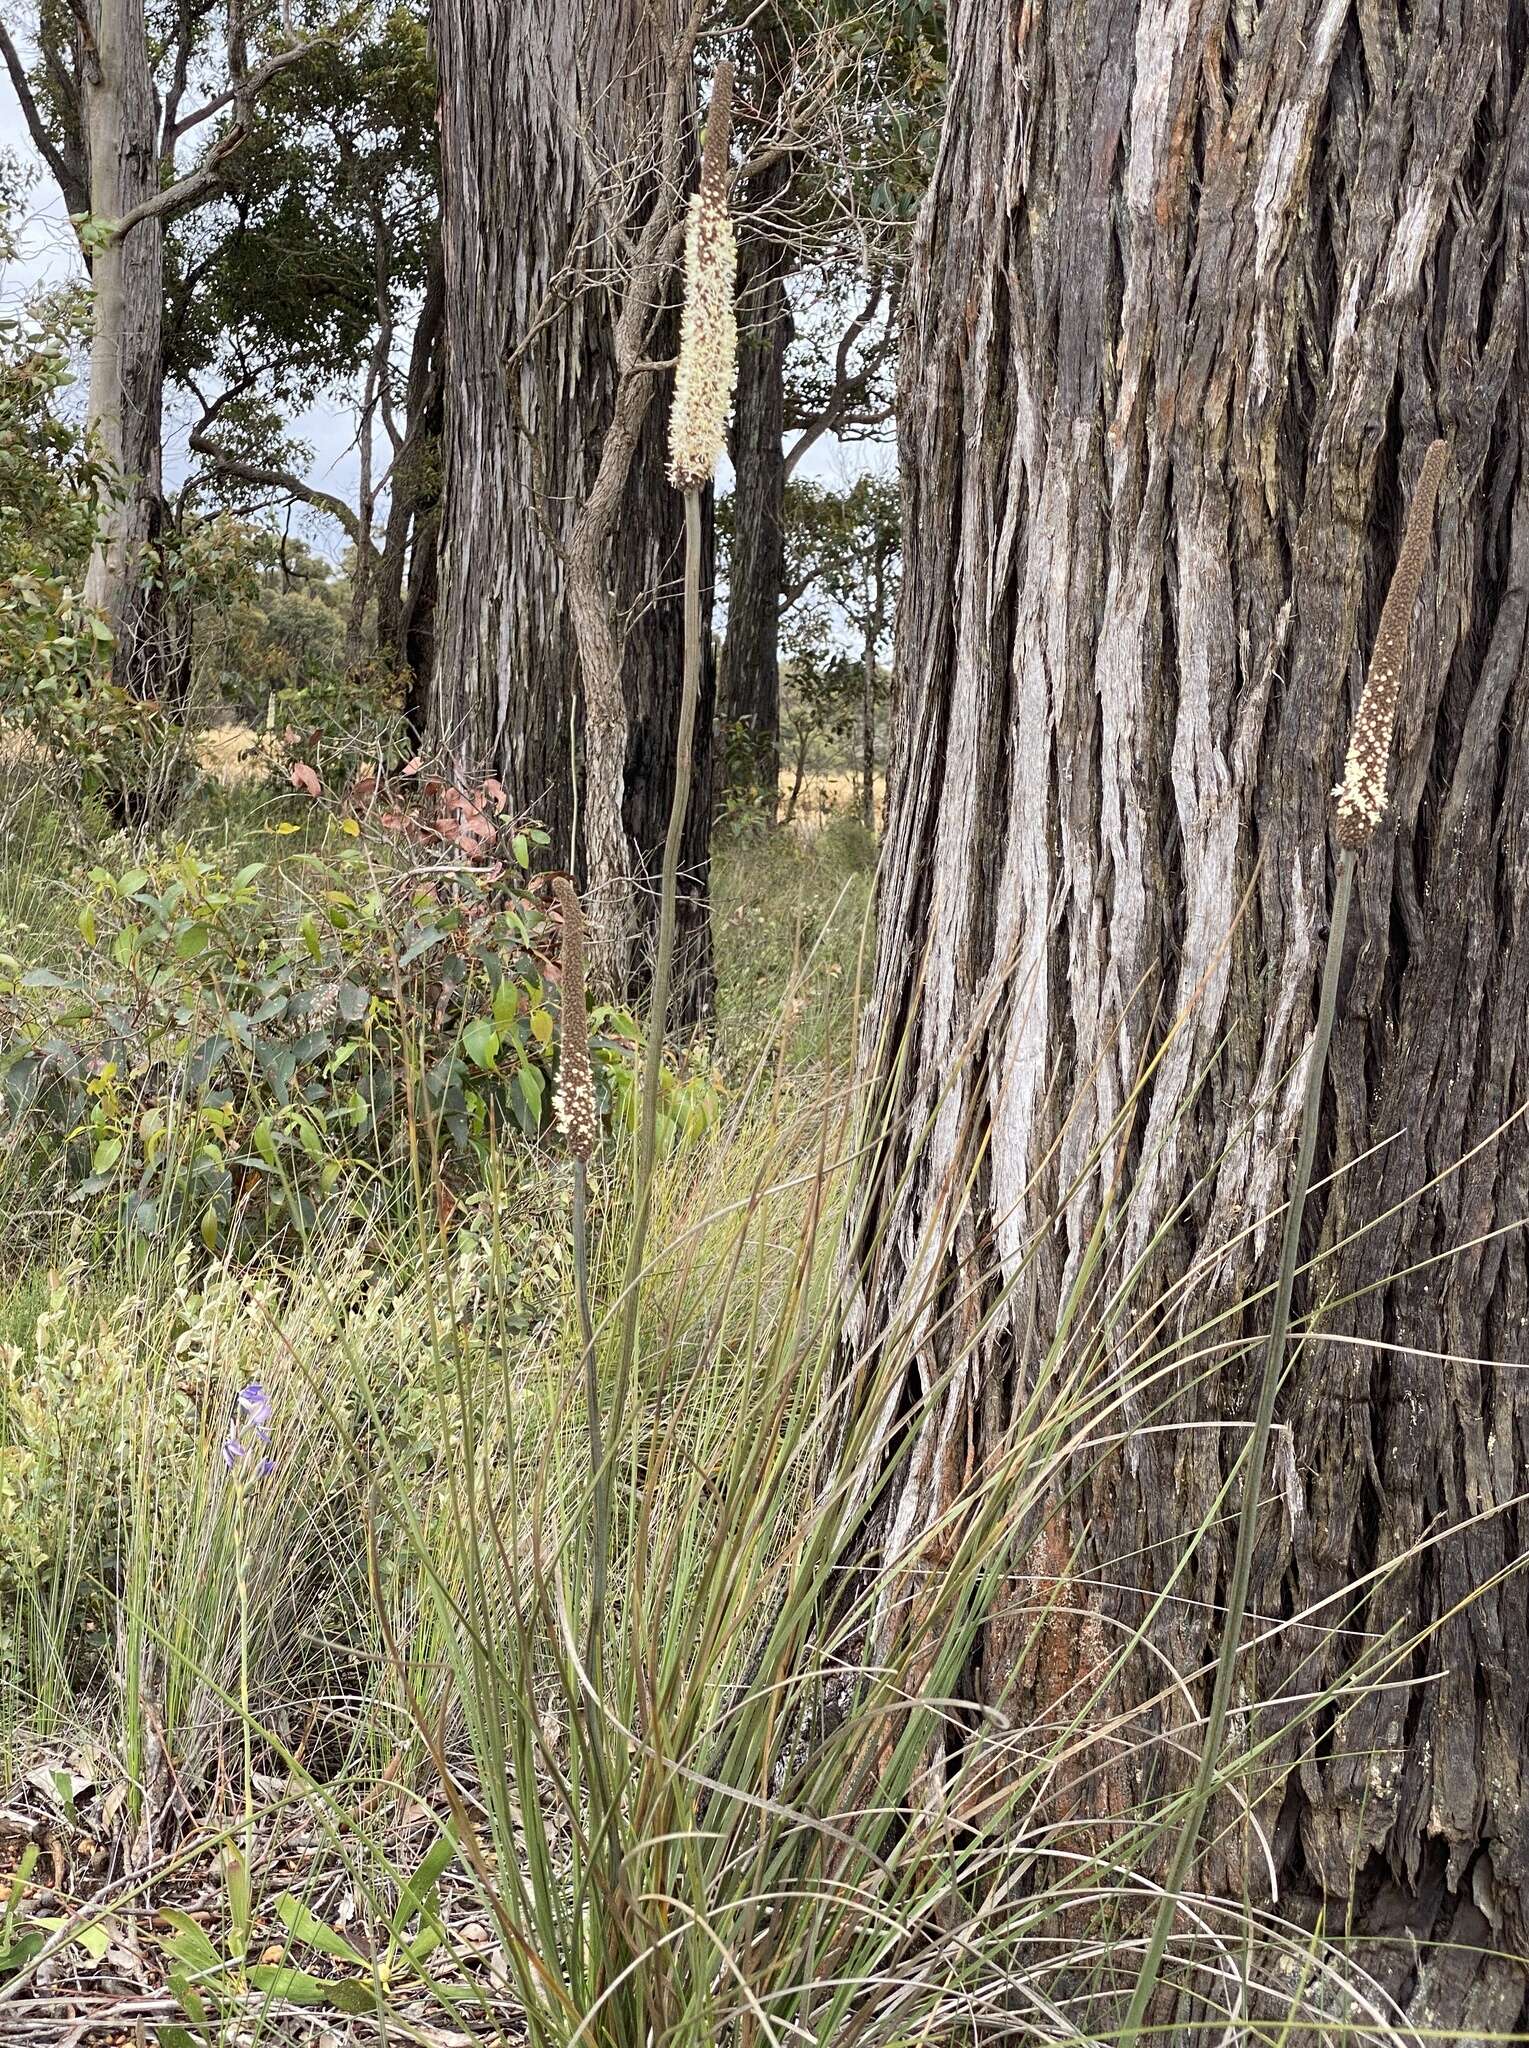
534,103
1196,286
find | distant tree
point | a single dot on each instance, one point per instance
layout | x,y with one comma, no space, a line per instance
859,548
840,569
111,133
320,272
822,243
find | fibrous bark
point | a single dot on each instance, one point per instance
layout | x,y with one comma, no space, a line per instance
1195,287
537,106
749,684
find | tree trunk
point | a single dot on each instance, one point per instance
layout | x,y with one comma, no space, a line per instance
750,671
875,626
1193,289
529,98
406,580
127,288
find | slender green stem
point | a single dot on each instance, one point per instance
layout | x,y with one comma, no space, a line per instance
241,1579
1255,1457
592,1405
658,1008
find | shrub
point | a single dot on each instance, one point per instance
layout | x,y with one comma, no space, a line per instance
235,1048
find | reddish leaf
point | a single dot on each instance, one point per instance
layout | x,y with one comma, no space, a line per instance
304,778
411,767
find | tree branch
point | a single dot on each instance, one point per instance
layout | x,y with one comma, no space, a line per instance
202,182
267,479
74,195
833,413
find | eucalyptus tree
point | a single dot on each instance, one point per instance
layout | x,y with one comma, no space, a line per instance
822,243
566,133
1192,292
112,101
318,275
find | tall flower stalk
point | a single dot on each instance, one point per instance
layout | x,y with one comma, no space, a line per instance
1360,804
703,388
247,1458
705,375
578,1120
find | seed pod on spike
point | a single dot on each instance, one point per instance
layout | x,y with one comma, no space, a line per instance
578,1117
708,361
1361,794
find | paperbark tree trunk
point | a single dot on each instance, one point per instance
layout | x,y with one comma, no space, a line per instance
127,288
530,99
1193,289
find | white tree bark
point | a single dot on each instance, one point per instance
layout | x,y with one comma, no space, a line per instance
127,282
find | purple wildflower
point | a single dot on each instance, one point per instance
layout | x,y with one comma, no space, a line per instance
246,1449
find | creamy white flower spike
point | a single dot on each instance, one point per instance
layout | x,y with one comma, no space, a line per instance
1361,794
708,362
578,1114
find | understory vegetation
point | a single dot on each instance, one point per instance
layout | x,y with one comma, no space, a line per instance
304,1605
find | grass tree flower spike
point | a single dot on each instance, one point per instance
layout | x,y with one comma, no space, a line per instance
708,362
578,1117
1361,794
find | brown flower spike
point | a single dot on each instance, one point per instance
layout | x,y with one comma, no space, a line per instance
708,362
1362,792
578,1117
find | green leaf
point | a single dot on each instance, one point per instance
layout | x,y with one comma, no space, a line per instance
191,941
305,1926
21,1951
300,1987
92,1936
178,1984
411,1899
191,1947
308,930
263,1142
308,1137
533,1088
481,1043
352,1995
431,936
106,1155
130,883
